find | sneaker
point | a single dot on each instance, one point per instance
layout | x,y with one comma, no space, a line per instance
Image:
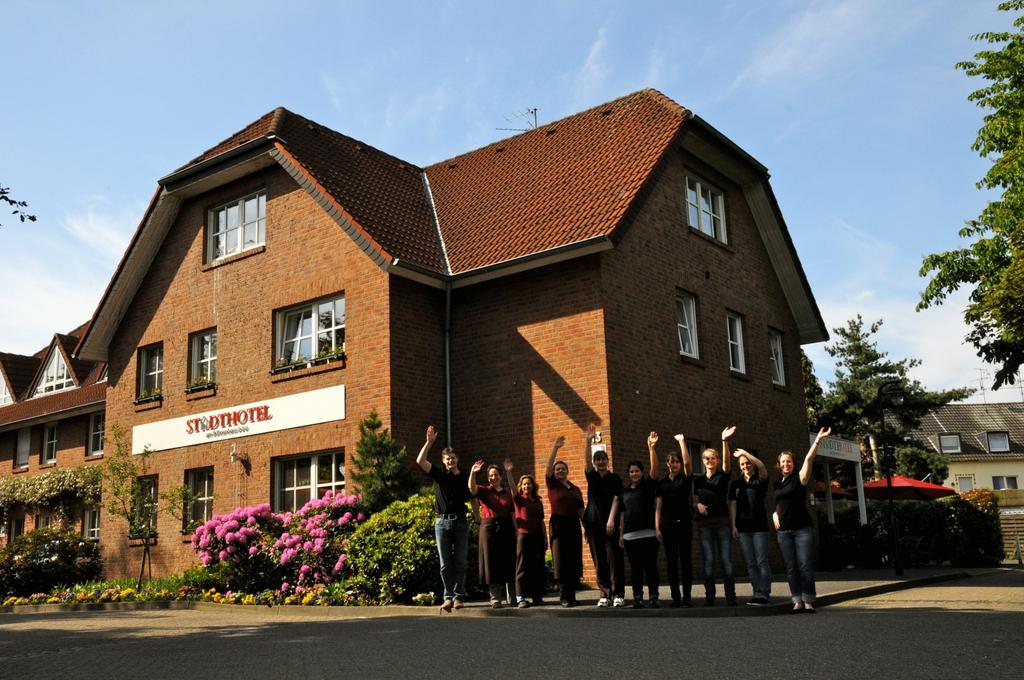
604,602
538,601
447,606
654,603
523,604
566,603
638,603
753,602
760,601
458,604
731,602
496,604
686,603
619,602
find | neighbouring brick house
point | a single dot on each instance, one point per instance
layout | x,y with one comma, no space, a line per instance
627,265
51,418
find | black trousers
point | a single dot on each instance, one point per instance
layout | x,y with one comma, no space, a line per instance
643,561
530,570
677,537
608,560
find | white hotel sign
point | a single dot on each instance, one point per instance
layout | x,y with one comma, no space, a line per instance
260,417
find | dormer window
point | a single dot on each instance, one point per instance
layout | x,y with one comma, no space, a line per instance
998,442
5,394
236,227
56,377
705,208
949,443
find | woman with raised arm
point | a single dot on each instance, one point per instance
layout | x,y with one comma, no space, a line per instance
566,502
749,517
793,522
675,491
640,528
531,542
497,544
711,493
604,488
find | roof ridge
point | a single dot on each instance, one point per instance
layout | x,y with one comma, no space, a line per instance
649,91
359,142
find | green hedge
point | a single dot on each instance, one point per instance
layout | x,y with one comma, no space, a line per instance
959,530
43,559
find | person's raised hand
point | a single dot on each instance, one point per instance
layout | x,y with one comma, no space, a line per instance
478,465
508,465
431,434
728,432
652,439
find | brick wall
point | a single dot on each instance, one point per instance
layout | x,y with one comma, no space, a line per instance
307,256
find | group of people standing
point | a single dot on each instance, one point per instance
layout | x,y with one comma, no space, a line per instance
625,519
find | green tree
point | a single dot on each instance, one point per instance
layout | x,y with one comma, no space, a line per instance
381,466
813,394
917,461
992,265
857,401
130,492
5,197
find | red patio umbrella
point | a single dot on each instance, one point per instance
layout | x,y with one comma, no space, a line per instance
906,489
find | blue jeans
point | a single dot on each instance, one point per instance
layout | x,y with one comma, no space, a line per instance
452,537
797,547
712,540
755,551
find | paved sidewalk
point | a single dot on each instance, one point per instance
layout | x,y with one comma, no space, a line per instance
833,587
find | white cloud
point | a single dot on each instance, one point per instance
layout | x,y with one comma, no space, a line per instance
594,71
823,33
331,86
105,232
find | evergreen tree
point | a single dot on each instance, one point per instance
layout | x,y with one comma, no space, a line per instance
856,401
381,466
813,393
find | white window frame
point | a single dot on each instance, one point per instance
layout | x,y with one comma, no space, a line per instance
199,482
734,337
17,527
151,381
778,357
944,447
203,367
56,377
705,208
91,524
226,238
147,492
5,393
686,324
44,520
300,339
49,444
97,422
24,450
286,479
1006,438
962,478
1005,479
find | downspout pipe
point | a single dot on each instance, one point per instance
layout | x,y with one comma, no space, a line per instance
448,361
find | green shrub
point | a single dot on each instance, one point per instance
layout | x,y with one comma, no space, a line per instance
974,537
394,555
45,558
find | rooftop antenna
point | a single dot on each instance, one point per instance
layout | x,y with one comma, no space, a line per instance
527,118
983,376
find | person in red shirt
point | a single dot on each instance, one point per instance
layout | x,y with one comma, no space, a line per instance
566,501
497,540
531,541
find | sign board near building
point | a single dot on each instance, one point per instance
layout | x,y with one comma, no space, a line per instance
270,415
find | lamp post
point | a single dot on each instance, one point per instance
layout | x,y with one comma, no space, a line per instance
892,389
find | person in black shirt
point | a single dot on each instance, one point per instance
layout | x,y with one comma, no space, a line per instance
675,493
710,492
640,528
451,528
750,523
604,488
793,522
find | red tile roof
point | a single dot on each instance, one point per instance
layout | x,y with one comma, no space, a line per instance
19,370
562,183
52,403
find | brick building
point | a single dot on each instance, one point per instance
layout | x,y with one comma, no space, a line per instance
627,265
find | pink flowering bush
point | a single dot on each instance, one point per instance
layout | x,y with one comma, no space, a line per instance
256,549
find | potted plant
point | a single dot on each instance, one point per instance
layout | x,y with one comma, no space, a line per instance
199,384
147,396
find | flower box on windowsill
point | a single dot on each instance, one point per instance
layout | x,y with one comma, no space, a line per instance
200,387
287,368
148,398
326,359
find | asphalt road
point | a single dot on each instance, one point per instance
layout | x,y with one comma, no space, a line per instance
969,629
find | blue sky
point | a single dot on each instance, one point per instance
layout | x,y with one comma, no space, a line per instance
853,105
